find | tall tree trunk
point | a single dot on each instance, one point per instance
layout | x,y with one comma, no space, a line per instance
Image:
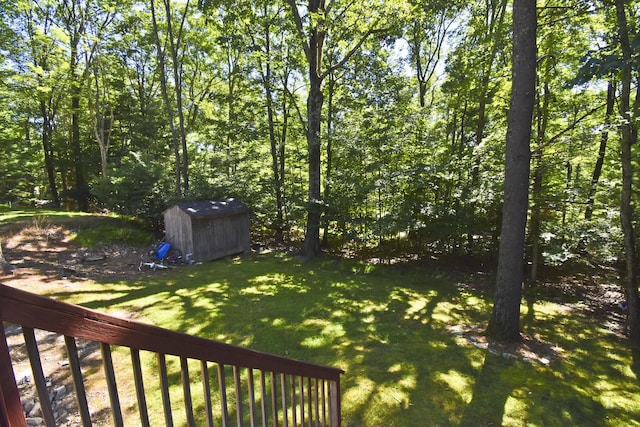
505,317
49,154
81,193
542,119
331,87
313,47
162,69
174,45
281,155
495,15
267,79
626,208
604,138
314,208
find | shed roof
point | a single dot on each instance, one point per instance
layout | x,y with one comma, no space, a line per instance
209,208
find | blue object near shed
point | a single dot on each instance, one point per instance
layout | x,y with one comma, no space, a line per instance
209,229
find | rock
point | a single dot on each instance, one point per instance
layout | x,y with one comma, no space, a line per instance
28,406
35,410
35,421
60,393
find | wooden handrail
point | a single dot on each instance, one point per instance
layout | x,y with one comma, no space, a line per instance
32,311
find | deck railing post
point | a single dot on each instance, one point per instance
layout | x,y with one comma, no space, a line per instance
334,403
10,404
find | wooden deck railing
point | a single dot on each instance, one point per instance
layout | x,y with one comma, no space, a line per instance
265,389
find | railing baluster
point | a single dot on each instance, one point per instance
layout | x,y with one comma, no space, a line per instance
301,386
310,402
206,388
252,397
294,411
285,408
274,399
107,363
164,389
324,403
222,385
317,400
186,388
236,382
139,383
78,383
38,376
263,398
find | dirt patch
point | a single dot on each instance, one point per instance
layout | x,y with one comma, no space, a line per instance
44,257
45,254
529,348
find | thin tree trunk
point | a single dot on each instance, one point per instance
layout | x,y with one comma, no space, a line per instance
49,155
604,138
76,151
329,167
536,196
273,141
495,26
174,44
505,317
165,95
626,208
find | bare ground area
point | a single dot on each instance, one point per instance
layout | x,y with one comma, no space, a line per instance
44,257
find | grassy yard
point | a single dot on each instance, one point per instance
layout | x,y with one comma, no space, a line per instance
388,328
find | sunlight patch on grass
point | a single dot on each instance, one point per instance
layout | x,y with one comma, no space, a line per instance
315,342
261,290
369,306
444,312
359,395
457,382
278,322
271,284
328,332
338,314
515,411
612,399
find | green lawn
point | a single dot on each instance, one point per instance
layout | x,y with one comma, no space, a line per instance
386,327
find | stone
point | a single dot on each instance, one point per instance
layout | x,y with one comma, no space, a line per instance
35,411
60,393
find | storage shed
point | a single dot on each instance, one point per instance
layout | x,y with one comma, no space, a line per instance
208,229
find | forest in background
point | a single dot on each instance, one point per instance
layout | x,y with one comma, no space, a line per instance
130,106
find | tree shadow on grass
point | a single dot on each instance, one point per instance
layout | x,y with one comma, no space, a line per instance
386,328
490,394
635,366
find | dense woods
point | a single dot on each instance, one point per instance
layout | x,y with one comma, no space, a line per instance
377,126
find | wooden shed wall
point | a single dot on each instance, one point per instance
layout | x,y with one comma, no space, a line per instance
220,236
207,237
178,229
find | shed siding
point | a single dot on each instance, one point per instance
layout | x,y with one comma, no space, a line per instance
208,237
179,230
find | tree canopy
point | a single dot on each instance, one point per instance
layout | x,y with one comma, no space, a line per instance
378,127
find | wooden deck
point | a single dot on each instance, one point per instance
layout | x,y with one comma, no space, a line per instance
266,389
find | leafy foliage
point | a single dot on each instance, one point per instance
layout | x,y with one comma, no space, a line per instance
413,122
